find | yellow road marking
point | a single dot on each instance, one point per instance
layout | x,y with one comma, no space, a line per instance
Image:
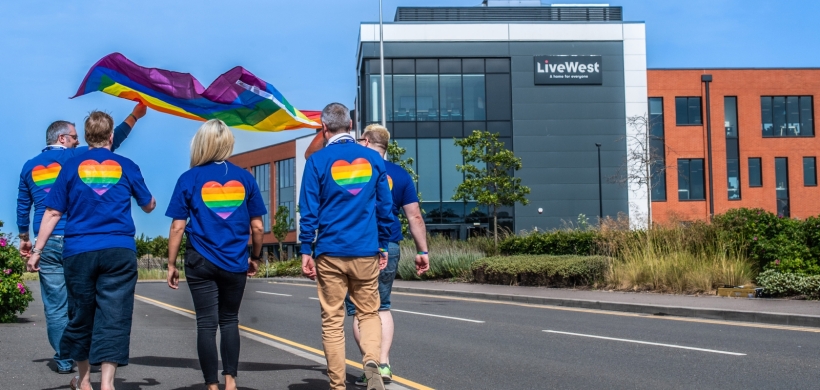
607,312
303,347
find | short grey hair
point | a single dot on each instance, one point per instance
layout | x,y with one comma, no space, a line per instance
56,129
336,117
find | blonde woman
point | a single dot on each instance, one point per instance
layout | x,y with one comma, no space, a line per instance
221,204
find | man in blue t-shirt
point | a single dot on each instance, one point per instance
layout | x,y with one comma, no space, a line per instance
36,179
405,199
345,196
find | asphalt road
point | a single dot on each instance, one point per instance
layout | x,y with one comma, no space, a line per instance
446,343
442,343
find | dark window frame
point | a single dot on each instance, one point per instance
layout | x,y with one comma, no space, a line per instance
733,139
700,104
689,174
662,152
814,167
760,168
800,120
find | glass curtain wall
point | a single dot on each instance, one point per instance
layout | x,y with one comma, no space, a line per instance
431,103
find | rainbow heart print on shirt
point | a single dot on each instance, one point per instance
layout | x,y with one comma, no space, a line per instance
223,199
44,177
352,176
390,182
100,176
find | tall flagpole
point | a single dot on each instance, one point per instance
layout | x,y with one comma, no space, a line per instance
381,65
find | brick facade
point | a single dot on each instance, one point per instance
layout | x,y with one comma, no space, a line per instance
268,155
748,85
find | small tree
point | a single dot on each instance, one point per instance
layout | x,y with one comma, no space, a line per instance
394,155
282,223
488,174
644,159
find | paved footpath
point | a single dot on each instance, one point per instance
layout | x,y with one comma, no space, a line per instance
163,356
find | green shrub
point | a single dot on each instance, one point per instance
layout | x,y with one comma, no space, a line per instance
291,267
14,295
790,245
788,284
556,242
541,270
449,259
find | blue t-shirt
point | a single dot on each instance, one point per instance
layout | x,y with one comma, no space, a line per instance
345,196
94,191
40,173
404,193
220,199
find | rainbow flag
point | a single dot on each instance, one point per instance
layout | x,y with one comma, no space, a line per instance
237,97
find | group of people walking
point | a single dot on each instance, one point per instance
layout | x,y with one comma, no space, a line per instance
85,251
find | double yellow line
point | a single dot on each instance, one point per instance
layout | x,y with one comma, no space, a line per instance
294,344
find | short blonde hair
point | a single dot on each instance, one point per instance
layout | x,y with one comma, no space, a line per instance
377,135
98,129
212,142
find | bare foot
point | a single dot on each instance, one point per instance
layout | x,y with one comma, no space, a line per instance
84,385
230,382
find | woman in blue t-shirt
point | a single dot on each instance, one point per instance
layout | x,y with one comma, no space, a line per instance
221,205
94,191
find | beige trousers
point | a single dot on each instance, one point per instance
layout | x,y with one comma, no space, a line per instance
336,277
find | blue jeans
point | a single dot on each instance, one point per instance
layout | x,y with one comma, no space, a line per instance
54,295
100,288
386,277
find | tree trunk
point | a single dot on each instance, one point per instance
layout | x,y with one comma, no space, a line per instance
495,227
281,254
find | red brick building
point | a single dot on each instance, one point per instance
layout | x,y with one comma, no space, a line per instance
764,147
274,168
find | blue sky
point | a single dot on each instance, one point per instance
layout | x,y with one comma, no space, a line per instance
306,49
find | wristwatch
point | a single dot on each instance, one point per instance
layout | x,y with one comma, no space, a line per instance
256,258
35,250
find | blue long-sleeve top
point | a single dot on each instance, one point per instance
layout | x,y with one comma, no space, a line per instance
346,197
39,173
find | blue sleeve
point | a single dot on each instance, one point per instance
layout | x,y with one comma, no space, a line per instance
57,197
178,206
256,205
384,206
410,195
23,204
121,132
308,207
138,188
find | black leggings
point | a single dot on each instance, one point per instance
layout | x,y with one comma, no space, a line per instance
217,295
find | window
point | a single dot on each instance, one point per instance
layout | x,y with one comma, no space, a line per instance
404,98
755,172
450,87
690,179
286,187
781,173
262,175
374,97
786,116
732,147
687,111
474,97
809,171
656,150
427,97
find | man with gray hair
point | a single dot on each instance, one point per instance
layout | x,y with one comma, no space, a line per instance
36,178
345,206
